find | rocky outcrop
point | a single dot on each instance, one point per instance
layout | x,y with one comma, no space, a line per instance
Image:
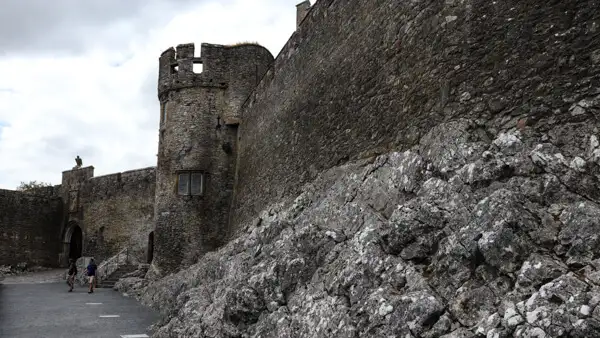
140,272
472,233
133,283
131,286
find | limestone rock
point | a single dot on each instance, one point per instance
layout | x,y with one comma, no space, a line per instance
132,286
479,238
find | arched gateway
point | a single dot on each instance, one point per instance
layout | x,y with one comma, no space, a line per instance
72,243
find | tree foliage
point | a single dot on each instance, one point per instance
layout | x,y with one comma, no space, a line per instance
31,185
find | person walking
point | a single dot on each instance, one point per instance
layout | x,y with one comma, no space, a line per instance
91,272
72,274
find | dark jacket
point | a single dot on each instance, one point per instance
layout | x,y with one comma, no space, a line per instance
91,269
72,269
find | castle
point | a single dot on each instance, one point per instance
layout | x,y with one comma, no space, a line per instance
399,169
356,79
173,212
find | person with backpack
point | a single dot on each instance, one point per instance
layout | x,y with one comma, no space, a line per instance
72,273
91,272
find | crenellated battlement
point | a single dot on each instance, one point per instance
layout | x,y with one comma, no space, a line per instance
222,66
176,71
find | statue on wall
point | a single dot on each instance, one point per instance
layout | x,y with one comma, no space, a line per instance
78,161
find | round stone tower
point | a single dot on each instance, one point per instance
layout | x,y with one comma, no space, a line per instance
199,116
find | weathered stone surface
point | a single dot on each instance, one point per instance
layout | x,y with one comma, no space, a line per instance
389,247
29,228
131,286
360,78
198,132
111,212
404,169
140,272
118,212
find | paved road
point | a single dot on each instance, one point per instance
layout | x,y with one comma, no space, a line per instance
46,276
48,310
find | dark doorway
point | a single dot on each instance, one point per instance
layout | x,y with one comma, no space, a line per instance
150,247
76,243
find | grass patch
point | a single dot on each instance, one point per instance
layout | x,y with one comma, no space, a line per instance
244,43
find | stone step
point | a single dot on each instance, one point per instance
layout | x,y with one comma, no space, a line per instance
105,286
114,277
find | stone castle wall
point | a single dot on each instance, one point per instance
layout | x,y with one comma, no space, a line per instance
362,77
118,212
29,228
113,212
479,219
355,80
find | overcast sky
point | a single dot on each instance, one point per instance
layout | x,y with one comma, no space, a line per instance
79,77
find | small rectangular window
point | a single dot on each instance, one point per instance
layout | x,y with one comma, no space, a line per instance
190,183
197,184
184,184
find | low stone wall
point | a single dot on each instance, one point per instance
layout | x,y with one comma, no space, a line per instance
29,229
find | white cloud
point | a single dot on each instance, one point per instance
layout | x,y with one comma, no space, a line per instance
101,103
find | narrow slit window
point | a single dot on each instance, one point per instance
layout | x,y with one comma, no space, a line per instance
163,113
